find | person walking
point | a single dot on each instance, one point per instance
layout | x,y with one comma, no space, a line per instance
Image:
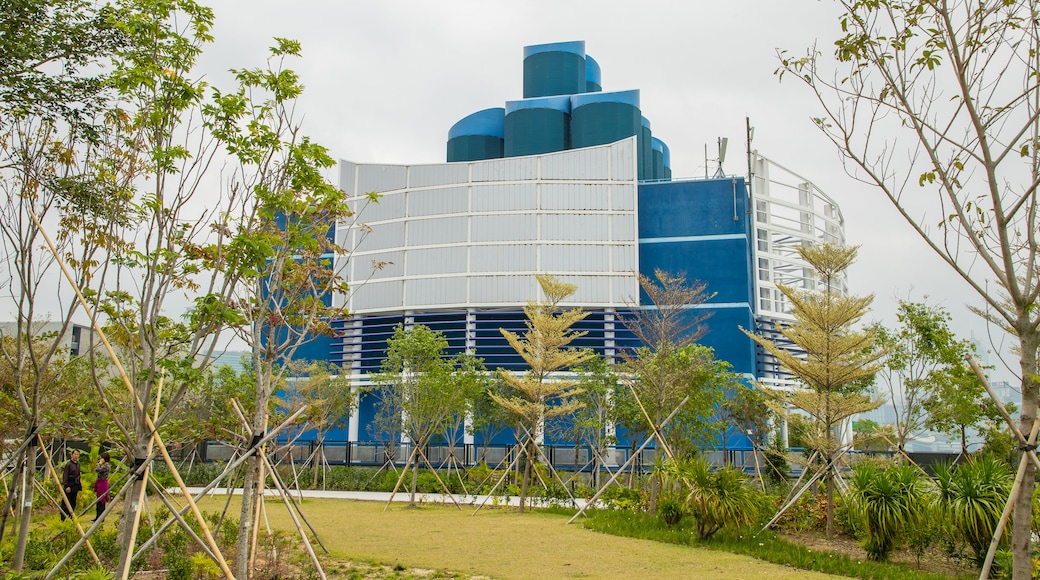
103,469
71,482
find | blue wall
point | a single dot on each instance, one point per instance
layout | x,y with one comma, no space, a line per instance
703,228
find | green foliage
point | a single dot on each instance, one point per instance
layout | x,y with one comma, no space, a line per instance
890,500
713,497
670,511
774,457
765,546
924,355
971,497
95,573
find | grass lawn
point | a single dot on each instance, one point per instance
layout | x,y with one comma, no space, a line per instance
505,544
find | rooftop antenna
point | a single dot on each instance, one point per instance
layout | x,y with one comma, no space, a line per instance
722,156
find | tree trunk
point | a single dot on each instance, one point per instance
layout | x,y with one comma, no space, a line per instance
131,505
252,482
414,464
319,461
245,517
526,481
1022,566
28,473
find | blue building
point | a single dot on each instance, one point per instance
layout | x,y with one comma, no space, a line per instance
567,181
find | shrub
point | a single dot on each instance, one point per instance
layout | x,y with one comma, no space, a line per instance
890,500
670,511
972,497
715,498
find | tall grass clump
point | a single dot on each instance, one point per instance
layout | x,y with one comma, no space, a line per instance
890,501
714,497
971,497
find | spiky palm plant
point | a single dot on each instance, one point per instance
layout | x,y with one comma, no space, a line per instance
715,497
890,500
971,496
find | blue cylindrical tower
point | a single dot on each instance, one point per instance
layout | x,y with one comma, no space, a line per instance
646,154
593,76
601,118
554,69
662,159
478,136
536,126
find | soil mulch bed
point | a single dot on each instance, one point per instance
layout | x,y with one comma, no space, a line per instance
934,560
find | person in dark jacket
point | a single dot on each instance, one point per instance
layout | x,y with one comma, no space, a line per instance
71,482
102,470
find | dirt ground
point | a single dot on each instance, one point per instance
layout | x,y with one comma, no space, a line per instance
935,560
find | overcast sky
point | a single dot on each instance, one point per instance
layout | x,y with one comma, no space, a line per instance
386,80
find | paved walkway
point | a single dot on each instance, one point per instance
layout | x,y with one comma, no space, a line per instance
402,497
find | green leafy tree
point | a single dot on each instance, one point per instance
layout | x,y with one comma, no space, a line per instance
957,402
419,391
206,415
934,103
868,435
829,356
590,425
281,244
52,59
489,419
670,370
538,395
923,354
55,85
746,409
326,392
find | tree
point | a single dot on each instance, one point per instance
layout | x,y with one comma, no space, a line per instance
326,392
957,402
868,435
419,392
923,355
746,409
54,83
588,426
830,357
940,98
281,248
537,395
670,370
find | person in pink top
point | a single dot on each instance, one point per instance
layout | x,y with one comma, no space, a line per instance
103,469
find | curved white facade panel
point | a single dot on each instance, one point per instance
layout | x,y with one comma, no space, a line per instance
474,234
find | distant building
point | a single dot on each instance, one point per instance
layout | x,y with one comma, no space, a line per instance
568,181
76,337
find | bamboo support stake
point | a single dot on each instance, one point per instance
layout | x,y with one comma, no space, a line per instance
281,488
1000,406
444,486
258,503
62,496
90,531
631,459
174,512
287,495
125,572
231,466
505,474
400,478
137,400
296,522
1016,488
